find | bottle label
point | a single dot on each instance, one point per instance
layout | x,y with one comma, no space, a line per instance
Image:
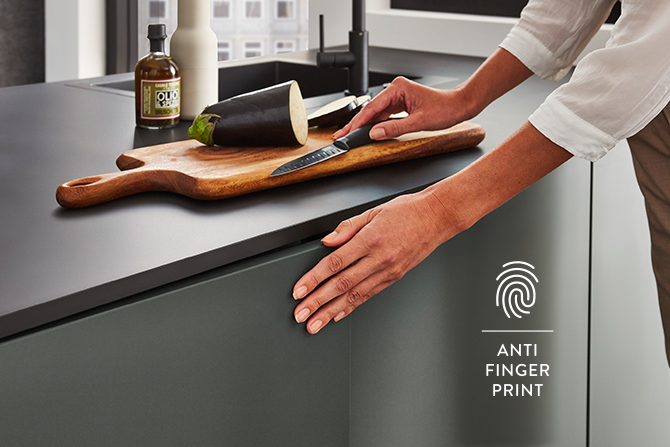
160,99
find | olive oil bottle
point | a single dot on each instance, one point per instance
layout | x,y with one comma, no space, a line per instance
157,85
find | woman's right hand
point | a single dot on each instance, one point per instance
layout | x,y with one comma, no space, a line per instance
427,109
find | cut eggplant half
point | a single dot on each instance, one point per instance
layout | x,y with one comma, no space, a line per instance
332,112
273,116
361,102
397,116
338,113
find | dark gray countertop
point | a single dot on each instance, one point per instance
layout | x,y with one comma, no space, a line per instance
55,262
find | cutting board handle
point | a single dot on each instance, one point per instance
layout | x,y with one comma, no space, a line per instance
102,188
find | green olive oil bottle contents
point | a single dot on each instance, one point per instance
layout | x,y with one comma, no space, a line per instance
157,85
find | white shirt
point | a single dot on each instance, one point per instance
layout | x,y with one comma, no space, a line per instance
615,91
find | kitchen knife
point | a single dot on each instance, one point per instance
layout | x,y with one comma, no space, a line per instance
358,137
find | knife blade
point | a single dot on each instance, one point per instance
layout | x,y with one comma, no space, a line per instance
358,137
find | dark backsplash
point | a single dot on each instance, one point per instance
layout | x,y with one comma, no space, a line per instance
504,8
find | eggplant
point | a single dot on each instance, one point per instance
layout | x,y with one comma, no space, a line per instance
273,116
338,113
332,111
361,102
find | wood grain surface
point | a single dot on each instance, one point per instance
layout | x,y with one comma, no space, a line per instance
211,173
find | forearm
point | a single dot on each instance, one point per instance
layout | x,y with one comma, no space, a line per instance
521,160
500,73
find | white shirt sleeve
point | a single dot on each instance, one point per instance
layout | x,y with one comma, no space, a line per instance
614,92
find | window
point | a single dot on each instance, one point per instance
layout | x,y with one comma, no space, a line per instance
221,10
233,21
286,9
284,46
224,50
253,49
253,9
157,9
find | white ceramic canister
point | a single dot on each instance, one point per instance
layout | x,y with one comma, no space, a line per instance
193,46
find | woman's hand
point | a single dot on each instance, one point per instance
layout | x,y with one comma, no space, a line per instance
427,108
376,249
432,109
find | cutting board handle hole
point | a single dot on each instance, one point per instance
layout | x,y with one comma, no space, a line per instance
84,181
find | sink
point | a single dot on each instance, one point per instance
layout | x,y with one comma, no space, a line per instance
235,80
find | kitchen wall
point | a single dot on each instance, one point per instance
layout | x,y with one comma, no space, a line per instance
74,39
21,42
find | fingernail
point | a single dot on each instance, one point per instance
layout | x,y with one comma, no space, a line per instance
339,316
316,326
377,133
330,237
302,315
299,293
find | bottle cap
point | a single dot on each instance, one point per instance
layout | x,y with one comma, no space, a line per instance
157,31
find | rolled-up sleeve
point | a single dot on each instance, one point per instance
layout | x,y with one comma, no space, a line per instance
614,92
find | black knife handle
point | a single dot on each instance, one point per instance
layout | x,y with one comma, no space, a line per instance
358,137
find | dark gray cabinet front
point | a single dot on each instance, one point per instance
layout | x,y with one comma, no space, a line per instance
432,360
219,361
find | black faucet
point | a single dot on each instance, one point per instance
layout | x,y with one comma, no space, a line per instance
356,59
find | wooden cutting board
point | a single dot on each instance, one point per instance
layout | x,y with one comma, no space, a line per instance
210,173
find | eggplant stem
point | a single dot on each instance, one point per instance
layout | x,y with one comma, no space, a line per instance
202,128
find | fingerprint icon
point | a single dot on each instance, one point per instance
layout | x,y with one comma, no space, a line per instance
516,291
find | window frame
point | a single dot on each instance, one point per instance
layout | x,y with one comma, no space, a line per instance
122,38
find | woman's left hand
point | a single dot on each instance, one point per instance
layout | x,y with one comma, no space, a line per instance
376,249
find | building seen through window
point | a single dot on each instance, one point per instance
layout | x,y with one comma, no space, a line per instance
284,46
157,9
224,50
221,10
253,9
253,49
244,28
285,9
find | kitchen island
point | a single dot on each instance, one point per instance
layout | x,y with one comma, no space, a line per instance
156,319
